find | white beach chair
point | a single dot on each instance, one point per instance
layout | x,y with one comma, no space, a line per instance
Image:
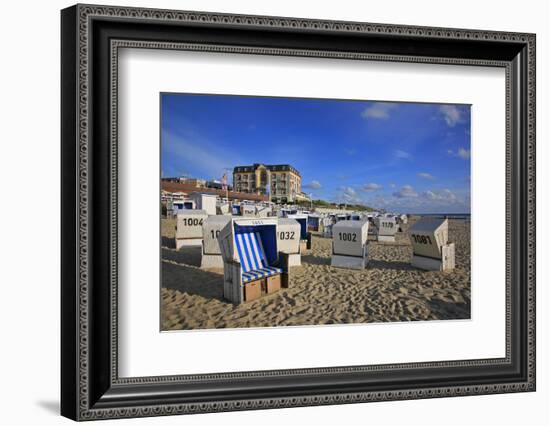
349,244
387,228
314,223
263,211
288,240
248,210
211,253
206,202
305,235
431,249
189,228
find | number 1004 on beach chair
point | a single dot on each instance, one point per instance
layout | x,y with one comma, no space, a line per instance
252,264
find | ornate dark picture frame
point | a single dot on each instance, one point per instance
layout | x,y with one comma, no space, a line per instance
91,36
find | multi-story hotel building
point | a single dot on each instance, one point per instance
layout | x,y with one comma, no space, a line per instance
283,180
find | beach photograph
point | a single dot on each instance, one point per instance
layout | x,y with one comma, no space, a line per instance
282,212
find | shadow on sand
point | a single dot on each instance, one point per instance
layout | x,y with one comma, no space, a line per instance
450,310
168,242
384,264
315,260
186,279
187,255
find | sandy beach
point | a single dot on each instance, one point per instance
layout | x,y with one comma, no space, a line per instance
388,290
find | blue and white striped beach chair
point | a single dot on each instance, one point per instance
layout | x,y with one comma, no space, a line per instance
250,252
252,257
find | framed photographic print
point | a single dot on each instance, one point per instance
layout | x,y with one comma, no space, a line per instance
264,212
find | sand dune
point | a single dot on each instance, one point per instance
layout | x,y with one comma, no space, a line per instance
388,290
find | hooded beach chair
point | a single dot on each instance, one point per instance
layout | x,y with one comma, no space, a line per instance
386,228
289,239
431,248
252,263
211,252
189,228
314,223
305,235
349,244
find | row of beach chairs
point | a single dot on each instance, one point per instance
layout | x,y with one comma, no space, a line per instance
257,253
429,239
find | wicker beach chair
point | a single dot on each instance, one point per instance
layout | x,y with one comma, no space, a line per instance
252,264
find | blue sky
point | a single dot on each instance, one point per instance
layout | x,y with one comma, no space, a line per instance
403,157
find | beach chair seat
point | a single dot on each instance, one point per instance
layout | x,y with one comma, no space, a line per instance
252,257
261,273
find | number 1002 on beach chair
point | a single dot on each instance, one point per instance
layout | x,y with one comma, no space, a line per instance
349,244
252,264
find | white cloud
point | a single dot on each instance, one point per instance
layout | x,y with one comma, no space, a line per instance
446,196
314,184
392,185
461,153
406,191
348,194
408,200
379,202
369,187
430,195
451,114
348,191
425,175
464,153
379,110
401,154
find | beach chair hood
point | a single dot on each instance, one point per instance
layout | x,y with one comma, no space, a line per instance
349,237
428,235
211,229
288,235
302,219
189,223
387,226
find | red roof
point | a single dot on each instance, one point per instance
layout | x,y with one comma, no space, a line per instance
189,188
